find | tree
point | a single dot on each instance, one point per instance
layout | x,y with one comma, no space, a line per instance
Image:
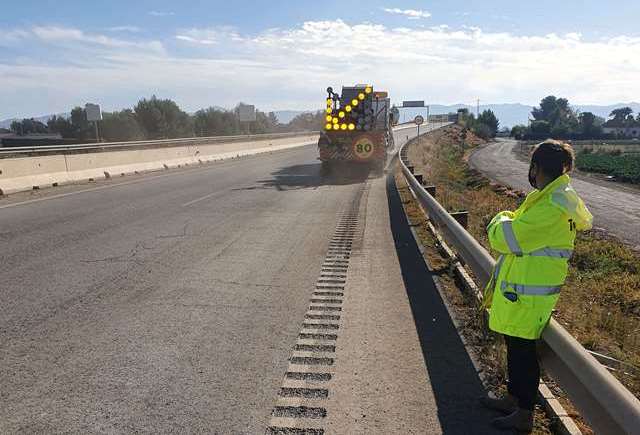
16,127
483,130
560,131
548,106
163,119
81,128
554,117
61,125
76,127
540,129
121,126
264,123
556,111
215,122
489,119
590,125
519,131
28,126
621,114
552,110
465,118
307,122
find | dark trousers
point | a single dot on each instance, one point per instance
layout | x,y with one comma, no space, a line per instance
523,370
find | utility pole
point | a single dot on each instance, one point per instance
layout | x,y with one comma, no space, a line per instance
477,108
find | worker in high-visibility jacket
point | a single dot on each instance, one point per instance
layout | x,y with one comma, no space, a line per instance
535,243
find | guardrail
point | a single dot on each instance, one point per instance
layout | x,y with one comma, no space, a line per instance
158,143
601,399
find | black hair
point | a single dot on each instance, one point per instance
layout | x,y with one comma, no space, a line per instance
553,157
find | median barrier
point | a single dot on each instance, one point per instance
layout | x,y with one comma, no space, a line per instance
29,168
28,173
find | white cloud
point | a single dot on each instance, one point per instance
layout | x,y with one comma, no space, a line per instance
209,36
72,38
412,14
130,29
161,13
9,37
289,68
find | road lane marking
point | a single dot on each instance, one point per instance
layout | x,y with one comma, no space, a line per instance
78,192
195,201
210,166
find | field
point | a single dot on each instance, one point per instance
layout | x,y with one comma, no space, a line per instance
600,303
621,146
623,167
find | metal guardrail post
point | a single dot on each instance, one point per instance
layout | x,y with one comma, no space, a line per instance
602,400
462,217
431,190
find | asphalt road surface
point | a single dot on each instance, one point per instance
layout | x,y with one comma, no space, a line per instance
615,208
170,302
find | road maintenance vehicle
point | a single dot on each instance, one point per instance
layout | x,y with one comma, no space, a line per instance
357,129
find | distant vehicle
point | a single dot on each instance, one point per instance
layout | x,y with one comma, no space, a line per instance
357,127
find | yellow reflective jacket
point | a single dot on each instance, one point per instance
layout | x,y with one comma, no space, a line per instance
535,243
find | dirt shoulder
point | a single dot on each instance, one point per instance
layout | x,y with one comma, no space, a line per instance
600,303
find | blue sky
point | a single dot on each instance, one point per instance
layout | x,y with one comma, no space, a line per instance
280,55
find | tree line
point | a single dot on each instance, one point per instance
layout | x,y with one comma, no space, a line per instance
156,118
485,125
556,118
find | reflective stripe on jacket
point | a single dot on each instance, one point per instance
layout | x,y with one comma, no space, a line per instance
535,243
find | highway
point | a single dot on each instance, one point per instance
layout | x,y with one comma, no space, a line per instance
171,302
615,208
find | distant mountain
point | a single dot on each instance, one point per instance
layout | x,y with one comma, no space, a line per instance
604,111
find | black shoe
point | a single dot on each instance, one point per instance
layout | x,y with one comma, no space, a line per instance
520,420
506,404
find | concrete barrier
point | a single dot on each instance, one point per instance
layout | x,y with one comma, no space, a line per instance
26,172
33,172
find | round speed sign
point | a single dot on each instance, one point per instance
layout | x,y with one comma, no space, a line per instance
363,148
418,120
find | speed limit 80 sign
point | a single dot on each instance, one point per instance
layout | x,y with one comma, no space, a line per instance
363,148
418,120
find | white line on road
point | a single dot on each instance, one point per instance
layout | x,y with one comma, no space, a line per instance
228,162
77,192
195,201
